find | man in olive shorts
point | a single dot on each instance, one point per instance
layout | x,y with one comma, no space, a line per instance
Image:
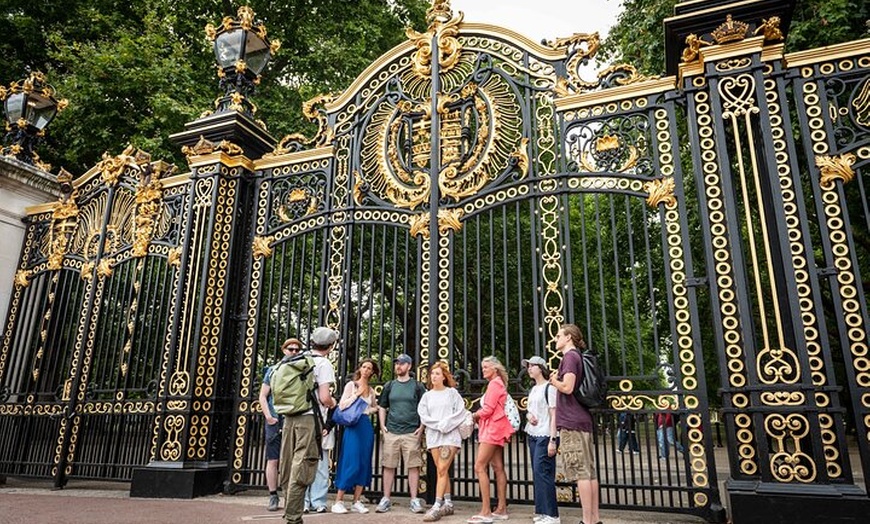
574,423
402,431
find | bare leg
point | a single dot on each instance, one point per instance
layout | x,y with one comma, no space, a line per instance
500,480
389,477
339,495
357,493
272,475
413,481
485,454
588,490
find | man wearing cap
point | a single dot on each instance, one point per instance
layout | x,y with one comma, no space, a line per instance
322,343
401,430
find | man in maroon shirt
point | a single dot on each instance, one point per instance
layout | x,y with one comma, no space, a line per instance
574,422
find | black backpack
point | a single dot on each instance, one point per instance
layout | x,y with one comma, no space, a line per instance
592,390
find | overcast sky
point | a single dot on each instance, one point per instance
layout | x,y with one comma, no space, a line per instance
538,19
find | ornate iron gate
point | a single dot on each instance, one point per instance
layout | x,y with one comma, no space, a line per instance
466,196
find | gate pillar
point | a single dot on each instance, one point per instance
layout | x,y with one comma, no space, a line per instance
786,443
190,451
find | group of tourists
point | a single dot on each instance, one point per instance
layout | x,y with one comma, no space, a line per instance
411,413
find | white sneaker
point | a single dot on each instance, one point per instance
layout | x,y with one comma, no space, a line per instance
359,507
550,520
338,507
538,517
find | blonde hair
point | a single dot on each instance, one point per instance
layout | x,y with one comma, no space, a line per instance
449,381
499,367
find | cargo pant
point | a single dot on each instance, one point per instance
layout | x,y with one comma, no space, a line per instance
299,458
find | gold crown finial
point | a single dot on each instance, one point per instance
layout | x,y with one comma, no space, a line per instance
439,12
731,31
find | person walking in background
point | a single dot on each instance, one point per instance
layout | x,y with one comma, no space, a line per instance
574,422
665,433
541,431
401,431
274,423
442,411
323,341
625,433
494,432
354,469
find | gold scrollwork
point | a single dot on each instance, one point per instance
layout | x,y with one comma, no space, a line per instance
312,110
450,220
661,191
778,366
420,225
148,206
788,463
609,143
521,155
444,27
837,167
171,448
261,248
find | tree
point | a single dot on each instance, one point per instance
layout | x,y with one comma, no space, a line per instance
136,71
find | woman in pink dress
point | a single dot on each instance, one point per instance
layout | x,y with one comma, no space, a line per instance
494,431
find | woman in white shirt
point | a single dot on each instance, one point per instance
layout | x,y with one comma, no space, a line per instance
441,411
541,430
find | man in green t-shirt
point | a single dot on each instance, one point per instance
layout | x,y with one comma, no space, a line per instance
402,431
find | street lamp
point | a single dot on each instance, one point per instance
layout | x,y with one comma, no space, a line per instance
29,105
242,52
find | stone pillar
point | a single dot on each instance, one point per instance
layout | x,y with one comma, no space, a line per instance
21,186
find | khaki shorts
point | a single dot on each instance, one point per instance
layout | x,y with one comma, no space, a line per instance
578,455
401,446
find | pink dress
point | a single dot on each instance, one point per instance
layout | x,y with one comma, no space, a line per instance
494,426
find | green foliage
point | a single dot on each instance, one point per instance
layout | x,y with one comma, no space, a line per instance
136,71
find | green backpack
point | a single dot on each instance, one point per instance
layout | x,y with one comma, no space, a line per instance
292,383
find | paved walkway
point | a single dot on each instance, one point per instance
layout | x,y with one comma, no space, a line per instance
30,501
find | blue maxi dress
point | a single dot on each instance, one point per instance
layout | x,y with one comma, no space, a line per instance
355,458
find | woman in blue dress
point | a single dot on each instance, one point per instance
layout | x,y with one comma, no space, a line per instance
354,470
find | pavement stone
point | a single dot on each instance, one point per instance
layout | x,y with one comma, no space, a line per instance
85,502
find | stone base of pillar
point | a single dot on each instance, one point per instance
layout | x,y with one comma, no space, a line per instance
160,480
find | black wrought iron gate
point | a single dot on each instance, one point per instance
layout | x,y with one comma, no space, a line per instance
466,196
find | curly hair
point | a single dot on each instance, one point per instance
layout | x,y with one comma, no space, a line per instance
449,381
376,370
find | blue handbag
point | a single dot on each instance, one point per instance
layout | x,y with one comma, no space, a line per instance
351,415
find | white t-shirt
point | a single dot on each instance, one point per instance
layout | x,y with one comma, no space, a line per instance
538,406
324,374
441,412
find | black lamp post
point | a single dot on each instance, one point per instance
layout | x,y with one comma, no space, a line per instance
29,105
242,51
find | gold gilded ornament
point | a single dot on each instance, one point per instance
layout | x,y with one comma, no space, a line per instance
420,225
22,278
693,47
770,29
261,248
450,220
661,191
838,167
730,31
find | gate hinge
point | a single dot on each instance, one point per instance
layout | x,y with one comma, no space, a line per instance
696,281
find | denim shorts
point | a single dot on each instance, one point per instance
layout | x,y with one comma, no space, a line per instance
273,440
